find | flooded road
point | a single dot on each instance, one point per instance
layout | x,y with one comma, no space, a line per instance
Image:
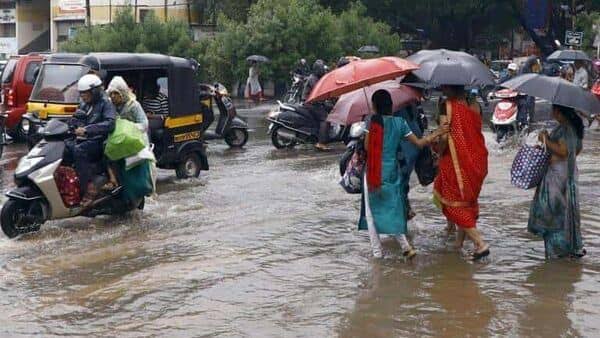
265,245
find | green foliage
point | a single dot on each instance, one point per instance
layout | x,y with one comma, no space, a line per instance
125,35
283,30
585,23
287,30
236,10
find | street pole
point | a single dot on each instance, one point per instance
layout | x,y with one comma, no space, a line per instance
109,11
574,8
135,7
88,13
189,13
166,10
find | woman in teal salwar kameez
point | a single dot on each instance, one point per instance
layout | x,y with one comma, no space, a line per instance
554,213
384,202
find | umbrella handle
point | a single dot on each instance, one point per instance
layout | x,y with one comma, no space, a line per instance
368,101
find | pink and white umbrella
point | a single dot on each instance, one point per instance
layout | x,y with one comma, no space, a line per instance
353,106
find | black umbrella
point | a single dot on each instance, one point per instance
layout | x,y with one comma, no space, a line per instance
569,55
369,49
446,67
257,58
556,90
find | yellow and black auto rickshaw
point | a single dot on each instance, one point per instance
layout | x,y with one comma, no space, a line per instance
176,131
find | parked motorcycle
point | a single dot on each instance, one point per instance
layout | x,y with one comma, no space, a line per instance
230,127
39,197
294,94
293,124
511,115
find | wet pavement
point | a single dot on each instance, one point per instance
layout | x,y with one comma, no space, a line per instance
265,245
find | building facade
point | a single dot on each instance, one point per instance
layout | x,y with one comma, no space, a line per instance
67,15
41,25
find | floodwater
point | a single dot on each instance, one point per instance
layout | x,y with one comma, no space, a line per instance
265,245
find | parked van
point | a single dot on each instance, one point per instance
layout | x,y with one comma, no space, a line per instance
18,79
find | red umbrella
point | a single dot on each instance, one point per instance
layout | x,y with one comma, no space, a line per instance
359,74
353,106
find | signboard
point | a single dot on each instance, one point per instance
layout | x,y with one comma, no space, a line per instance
573,38
8,15
8,46
71,5
70,10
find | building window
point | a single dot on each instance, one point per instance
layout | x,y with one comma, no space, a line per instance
7,4
31,72
8,30
144,13
65,30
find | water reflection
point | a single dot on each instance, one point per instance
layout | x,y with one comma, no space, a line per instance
438,297
552,287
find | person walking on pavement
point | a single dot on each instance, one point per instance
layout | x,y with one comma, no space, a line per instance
253,88
581,76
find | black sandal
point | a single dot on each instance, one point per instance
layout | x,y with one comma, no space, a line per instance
479,255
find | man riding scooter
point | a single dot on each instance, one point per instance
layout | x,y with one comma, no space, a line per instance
92,123
526,104
318,111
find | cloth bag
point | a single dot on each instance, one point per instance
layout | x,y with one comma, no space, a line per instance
352,179
137,181
126,140
68,185
143,155
529,167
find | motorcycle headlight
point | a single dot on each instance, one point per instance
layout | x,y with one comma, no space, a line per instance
358,129
274,114
27,163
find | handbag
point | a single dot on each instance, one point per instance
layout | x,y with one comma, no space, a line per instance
529,167
352,179
426,166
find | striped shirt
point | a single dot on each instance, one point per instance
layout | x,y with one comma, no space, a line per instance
156,105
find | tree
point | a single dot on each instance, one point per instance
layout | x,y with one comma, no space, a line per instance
464,24
287,30
209,10
125,35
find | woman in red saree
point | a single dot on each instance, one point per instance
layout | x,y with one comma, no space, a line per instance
463,167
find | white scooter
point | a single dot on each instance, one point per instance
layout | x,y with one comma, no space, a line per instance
505,119
38,199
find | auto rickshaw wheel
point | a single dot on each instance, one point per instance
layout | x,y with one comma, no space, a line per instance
236,138
189,166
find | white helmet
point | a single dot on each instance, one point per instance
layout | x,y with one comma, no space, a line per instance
88,82
513,66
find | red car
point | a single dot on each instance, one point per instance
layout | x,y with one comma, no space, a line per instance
18,78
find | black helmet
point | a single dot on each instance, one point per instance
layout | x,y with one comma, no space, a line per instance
342,61
319,68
